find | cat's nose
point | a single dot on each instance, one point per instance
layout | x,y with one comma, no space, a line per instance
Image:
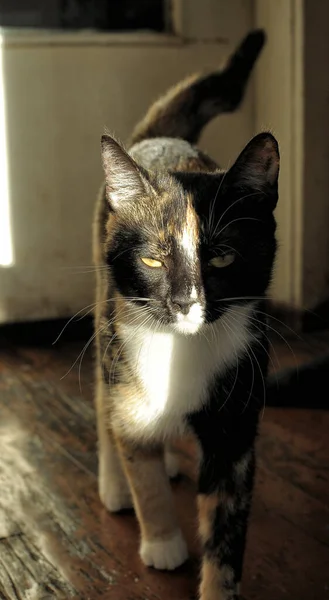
182,305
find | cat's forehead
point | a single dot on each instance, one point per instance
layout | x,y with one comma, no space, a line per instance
176,213
204,188
189,233
165,222
177,235
181,198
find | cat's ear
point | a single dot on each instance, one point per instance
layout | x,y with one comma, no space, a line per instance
125,181
257,167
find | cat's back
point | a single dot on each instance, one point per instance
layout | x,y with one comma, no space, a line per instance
170,154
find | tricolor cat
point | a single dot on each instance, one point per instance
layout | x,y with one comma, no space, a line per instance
184,254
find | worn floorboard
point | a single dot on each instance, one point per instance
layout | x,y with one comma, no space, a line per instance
58,542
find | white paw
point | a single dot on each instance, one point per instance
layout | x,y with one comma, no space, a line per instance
164,554
114,497
171,464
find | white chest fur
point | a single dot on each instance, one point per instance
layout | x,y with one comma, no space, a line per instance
175,371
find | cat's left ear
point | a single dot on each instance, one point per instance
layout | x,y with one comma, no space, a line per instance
125,180
257,168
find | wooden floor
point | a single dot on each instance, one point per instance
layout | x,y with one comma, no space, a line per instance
57,541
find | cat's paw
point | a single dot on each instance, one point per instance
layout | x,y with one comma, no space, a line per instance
164,554
171,464
113,496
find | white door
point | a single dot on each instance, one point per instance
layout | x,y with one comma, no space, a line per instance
58,92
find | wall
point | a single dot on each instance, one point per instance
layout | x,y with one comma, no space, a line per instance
61,91
315,246
292,99
279,108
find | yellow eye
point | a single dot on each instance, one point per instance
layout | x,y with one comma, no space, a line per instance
222,261
151,262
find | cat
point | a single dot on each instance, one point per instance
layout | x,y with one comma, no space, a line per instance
184,254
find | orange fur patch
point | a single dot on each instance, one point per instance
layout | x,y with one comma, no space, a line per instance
213,580
207,506
146,473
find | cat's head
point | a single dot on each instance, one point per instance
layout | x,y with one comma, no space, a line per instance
184,247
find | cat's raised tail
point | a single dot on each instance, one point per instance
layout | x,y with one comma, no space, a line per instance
186,108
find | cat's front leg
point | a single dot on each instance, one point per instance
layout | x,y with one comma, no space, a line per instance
113,486
225,491
162,544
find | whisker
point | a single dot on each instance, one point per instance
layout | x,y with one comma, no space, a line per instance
266,351
235,314
281,323
124,343
220,246
236,374
116,334
284,340
126,311
235,221
268,325
251,362
93,305
79,267
262,378
85,347
74,316
121,253
261,374
212,205
87,271
231,206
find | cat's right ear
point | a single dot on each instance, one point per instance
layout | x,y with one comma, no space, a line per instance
125,181
257,169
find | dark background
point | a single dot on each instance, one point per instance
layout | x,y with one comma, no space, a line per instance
108,15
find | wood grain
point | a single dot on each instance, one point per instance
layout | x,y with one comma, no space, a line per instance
58,542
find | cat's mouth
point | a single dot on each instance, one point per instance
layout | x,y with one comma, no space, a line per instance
192,322
154,314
